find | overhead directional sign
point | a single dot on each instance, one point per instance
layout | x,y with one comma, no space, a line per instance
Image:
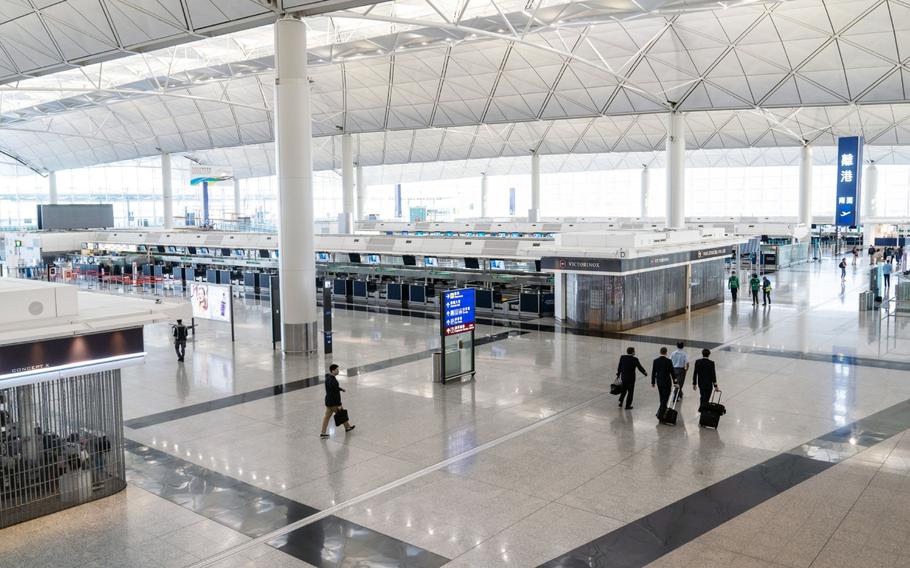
458,311
849,188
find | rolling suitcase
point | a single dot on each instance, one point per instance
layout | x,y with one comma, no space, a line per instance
711,412
670,413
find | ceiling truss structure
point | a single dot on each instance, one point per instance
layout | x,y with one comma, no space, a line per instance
425,80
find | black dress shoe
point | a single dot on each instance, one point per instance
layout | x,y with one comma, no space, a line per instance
629,408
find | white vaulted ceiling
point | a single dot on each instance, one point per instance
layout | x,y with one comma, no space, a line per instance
422,81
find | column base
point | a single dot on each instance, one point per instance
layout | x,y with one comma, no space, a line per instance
297,338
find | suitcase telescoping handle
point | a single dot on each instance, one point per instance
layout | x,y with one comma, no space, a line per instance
719,393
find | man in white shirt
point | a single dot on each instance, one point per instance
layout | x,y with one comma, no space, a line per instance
680,366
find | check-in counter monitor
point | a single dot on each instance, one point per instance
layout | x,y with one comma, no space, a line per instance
417,294
483,299
360,289
177,273
265,288
529,303
339,287
224,276
211,276
393,292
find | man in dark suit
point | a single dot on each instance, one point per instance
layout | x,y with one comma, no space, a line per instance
704,378
628,364
662,378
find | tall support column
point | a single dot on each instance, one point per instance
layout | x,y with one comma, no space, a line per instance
484,196
52,187
346,219
294,156
805,185
676,178
167,191
361,193
236,198
534,212
869,207
645,190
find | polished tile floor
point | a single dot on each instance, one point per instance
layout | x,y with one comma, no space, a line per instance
530,464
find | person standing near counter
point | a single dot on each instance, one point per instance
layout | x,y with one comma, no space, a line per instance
733,284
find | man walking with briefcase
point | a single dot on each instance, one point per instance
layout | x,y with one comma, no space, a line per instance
628,365
333,403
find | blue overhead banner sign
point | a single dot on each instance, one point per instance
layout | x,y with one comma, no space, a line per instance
849,188
458,311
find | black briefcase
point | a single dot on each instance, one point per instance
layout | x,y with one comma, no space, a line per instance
341,417
615,388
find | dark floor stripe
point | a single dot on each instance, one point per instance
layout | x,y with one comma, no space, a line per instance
252,511
284,388
534,326
652,536
822,357
647,539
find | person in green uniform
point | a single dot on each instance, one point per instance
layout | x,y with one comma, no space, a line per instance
754,286
733,284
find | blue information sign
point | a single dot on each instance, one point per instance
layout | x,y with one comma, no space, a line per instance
849,172
458,311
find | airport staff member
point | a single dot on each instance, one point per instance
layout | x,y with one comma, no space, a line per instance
754,286
733,284
662,378
704,377
628,364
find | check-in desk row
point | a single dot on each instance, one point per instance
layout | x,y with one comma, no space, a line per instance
532,303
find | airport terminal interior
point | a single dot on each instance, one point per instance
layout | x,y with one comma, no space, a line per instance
462,283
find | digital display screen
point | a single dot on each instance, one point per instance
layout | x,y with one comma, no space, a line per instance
171,249
497,265
239,253
203,250
430,261
141,248
372,259
323,257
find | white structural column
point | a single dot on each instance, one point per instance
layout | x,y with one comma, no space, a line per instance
346,219
534,212
236,198
869,207
484,195
805,185
676,178
645,190
52,187
167,191
361,193
293,141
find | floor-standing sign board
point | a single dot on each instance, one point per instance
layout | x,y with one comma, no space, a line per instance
849,186
213,302
456,327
